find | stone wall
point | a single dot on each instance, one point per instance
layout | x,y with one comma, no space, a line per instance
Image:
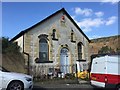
63,34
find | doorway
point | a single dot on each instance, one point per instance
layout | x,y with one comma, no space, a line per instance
64,61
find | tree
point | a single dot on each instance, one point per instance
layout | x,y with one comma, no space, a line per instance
118,50
9,47
105,49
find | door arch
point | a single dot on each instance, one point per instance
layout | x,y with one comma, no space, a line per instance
65,60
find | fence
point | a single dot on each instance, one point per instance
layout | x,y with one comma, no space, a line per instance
41,72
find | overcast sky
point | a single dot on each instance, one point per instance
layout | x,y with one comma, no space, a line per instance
96,19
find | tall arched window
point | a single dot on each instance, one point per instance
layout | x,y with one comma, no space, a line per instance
79,50
43,50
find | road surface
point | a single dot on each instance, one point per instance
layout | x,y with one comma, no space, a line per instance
64,87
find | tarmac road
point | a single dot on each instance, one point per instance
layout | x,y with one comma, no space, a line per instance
63,87
66,87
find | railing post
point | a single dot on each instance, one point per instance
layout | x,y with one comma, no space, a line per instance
76,75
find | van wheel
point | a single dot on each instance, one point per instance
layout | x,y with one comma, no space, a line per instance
118,87
15,85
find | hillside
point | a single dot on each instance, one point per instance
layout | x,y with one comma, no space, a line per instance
112,42
13,62
11,57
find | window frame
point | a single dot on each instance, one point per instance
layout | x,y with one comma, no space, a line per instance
47,52
79,46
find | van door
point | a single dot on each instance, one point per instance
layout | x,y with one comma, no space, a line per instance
98,71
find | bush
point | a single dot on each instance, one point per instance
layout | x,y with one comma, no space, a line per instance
106,49
12,59
118,50
9,47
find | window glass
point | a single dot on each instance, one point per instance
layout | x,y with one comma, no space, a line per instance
79,51
43,50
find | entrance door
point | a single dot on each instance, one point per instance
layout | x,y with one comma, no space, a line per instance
64,61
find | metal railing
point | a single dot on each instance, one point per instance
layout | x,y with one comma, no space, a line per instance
41,72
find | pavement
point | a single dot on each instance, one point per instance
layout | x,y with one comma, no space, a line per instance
63,81
63,85
83,81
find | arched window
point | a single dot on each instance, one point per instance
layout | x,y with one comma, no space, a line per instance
54,35
79,50
43,50
72,35
54,32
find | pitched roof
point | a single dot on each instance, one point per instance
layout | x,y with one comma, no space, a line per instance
61,10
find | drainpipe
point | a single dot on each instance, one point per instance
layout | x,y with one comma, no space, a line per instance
28,69
76,74
28,63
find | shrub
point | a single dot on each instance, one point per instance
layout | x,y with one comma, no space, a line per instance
105,49
9,47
